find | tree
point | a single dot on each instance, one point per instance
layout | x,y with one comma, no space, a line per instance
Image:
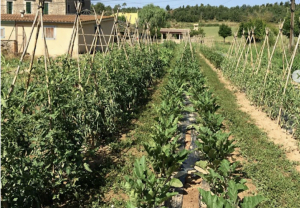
287,24
116,7
153,15
99,7
199,32
168,8
122,18
108,10
225,31
259,26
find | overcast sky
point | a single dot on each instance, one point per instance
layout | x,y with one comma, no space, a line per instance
178,3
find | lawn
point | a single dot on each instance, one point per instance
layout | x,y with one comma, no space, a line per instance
211,33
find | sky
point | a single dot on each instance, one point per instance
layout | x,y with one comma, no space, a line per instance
177,3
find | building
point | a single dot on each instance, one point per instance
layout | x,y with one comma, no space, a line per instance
15,31
131,17
174,34
196,26
60,7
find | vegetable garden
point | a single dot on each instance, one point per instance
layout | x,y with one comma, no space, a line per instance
266,81
47,150
55,119
149,187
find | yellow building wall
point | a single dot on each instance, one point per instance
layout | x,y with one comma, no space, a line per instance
132,17
57,46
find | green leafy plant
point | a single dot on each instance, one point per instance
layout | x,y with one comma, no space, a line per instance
214,146
230,198
145,189
219,178
63,138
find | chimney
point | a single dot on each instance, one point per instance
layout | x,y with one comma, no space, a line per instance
22,12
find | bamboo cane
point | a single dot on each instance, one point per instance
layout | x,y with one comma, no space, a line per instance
241,54
72,36
267,42
45,59
111,33
22,57
32,57
287,79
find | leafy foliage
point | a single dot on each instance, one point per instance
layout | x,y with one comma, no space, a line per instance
199,32
215,146
258,24
48,151
153,15
145,188
287,24
213,56
231,198
268,12
224,31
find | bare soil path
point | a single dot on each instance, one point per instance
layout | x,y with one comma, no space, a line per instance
274,132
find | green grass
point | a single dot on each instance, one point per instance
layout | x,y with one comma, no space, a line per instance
211,33
274,176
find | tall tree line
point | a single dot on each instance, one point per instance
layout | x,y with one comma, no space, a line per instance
99,7
267,12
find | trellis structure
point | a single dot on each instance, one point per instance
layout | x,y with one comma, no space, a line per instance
38,24
242,55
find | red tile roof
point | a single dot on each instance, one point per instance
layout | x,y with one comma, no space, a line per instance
50,18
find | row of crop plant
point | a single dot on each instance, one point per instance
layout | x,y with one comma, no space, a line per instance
268,94
150,183
51,134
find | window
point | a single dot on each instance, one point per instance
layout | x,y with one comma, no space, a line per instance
9,7
2,32
28,7
50,32
69,9
46,8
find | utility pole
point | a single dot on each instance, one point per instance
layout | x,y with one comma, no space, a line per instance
292,23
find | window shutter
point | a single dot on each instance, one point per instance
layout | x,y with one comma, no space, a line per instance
46,6
9,7
28,7
49,32
2,32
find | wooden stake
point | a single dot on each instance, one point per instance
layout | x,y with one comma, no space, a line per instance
241,53
287,79
32,57
241,43
45,53
253,34
70,49
259,57
77,35
22,58
112,31
86,48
